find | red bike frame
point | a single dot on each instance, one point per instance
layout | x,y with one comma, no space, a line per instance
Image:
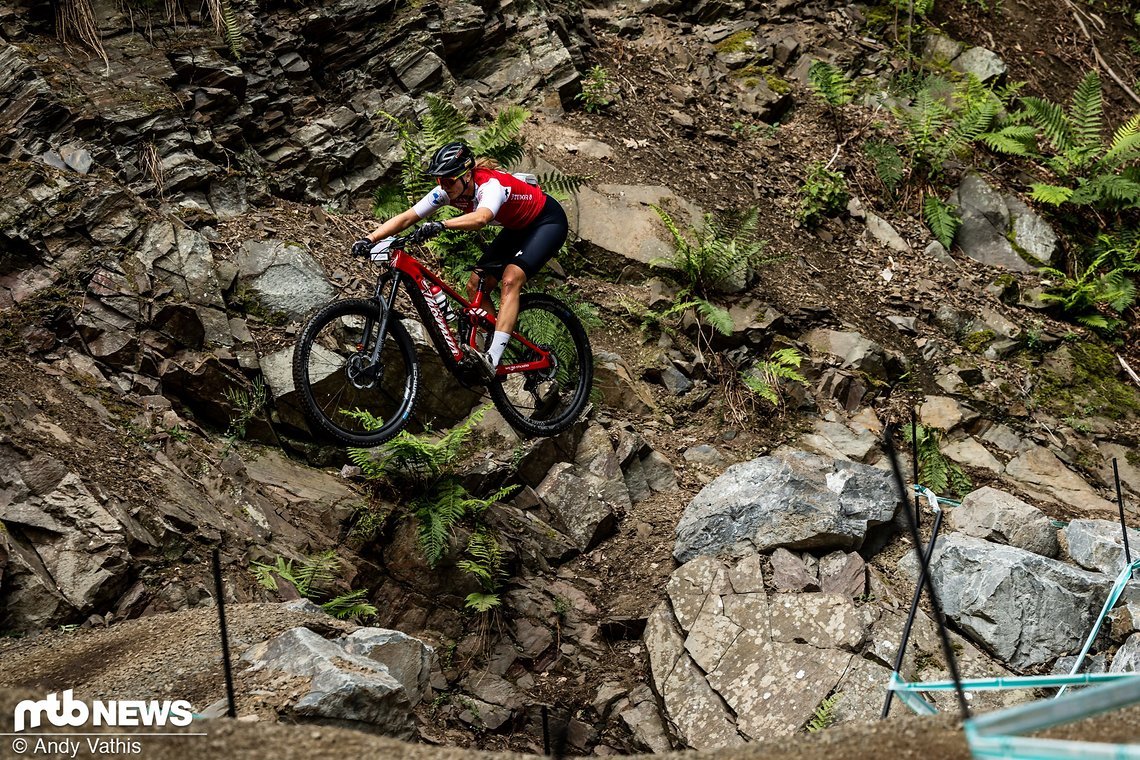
406,266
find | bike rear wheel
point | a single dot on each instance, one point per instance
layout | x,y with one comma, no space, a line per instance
336,378
545,402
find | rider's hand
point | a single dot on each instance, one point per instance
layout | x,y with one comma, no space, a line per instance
426,231
362,247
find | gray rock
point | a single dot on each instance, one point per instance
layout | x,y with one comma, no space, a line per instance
1127,658
940,49
789,573
1003,518
618,387
1099,545
983,234
619,227
843,573
882,231
346,688
1024,608
982,63
703,454
797,500
1039,472
283,278
407,659
573,494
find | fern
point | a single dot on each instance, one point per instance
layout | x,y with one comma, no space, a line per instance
499,140
935,471
824,715
353,605
482,602
561,185
1051,194
942,218
766,377
724,249
442,123
888,163
830,83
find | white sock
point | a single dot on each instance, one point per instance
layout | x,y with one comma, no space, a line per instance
498,345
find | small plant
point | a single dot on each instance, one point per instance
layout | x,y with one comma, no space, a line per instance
824,715
425,467
942,218
1070,145
311,578
887,162
178,434
766,377
824,193
1082,296
935,471
722,252
830,83
597,90
246,404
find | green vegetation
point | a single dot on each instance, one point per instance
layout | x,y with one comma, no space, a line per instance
1069,144
246,404
597,90
766,377
1079,380
823,193
723,251
830,83
311,578
935,471
737,42
824,715
976,342
427,469
942,218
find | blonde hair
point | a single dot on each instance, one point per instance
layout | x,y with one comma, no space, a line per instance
486,162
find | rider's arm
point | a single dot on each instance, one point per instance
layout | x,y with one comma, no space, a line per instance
395,225
476,220
491,195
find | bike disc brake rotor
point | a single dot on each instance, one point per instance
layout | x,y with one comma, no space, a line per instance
362,373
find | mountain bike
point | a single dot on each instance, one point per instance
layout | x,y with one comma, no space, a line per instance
356,355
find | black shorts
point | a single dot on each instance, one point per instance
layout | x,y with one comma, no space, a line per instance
532,246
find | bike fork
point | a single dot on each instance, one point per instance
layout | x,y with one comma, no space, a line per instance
385,314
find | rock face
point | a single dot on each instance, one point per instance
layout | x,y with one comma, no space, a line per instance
1003,518
1010,600
352,684
794,500
1099,545
1000,229
733,663
283,279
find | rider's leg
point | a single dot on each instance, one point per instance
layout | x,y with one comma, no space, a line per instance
513,280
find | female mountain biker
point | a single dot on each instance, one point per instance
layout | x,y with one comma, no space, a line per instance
534,228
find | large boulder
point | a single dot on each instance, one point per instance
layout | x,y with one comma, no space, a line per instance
1000,230
1099,545
1003,518
282,280
1024,608
793,499
350,683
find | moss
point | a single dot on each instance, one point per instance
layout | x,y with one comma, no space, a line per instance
1080,381
777,85
735,42
1132,457
976,342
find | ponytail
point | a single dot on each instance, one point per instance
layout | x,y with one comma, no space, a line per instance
486,162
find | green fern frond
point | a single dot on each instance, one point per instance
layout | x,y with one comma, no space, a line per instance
442,123
1051,194
1015,140
888,162
717,317
830,83
352,605
1125,148
562,185
935,471
480,602
787,357
1085,114
1051,120
824,715
942,218
762,388
316,572
232,30
499,140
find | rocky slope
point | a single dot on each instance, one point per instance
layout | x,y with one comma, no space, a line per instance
171,214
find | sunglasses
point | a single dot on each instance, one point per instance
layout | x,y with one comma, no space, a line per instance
450,180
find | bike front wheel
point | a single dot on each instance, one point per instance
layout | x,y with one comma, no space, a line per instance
344,392
547,401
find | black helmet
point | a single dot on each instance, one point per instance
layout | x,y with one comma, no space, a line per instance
451,160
